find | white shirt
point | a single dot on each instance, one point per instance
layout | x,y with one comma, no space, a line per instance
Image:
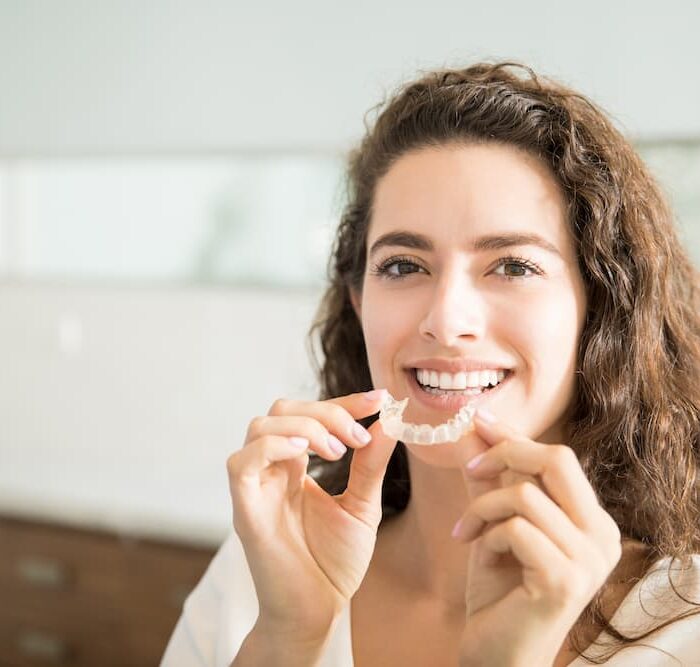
222,609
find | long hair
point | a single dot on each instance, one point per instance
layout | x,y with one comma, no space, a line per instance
634,423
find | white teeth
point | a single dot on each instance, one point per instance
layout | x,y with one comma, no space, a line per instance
469,391
459,381
473,379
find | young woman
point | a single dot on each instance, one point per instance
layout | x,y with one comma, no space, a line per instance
499,230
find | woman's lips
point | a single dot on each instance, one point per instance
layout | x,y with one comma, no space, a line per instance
451,402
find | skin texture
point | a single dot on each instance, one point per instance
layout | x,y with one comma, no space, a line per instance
307,551
453,302
501,590
460,304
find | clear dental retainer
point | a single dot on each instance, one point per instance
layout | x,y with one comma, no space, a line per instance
391,419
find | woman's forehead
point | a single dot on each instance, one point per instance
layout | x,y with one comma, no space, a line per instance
459,194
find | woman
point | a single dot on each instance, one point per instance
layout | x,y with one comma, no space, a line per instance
498,228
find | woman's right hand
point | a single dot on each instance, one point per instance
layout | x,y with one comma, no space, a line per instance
308,551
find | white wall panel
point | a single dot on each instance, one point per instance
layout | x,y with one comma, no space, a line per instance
119,407
167,75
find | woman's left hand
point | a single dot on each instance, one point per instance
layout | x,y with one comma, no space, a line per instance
542,547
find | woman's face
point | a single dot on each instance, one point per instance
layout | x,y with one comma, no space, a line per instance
479,268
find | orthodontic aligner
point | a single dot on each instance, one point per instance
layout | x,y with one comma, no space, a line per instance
391,419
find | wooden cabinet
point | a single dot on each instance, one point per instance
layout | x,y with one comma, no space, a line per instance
79,598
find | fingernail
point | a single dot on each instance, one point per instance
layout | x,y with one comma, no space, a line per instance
361,433
302,443
336,446
375,394
485,415
474,462
468,528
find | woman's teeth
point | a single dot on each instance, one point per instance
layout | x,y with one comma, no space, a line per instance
465,384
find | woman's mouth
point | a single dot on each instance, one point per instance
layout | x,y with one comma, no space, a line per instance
453,399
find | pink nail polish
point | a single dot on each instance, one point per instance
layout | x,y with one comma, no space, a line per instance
474,462
361,434
336,446
375,394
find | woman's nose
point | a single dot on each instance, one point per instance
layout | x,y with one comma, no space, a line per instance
456,310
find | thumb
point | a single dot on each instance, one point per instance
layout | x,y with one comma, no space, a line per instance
367,470
491,429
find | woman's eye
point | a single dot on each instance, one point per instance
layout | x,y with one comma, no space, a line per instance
517,268
514,268
397,268
402,268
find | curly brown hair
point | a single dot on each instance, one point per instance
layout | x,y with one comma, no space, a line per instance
634,422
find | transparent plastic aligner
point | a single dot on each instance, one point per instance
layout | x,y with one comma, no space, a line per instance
391,419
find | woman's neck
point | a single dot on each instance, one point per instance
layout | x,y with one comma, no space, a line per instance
415,547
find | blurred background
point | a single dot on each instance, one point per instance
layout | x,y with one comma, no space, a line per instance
170,179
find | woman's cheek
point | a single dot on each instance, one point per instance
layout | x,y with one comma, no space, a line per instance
383,324
377,333
551,350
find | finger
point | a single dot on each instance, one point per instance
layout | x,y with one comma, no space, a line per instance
547,572
362,404
358,405
531,548
246,465
492,430
477,487
557,467
320,440
531,503
337,415
270,458
367,471
485,439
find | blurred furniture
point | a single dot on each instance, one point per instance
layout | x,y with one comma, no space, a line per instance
80,597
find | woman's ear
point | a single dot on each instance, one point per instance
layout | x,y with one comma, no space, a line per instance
356,300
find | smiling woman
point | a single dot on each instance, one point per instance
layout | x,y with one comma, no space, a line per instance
499,232
496,287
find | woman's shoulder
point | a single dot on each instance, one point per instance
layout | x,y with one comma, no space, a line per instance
669,590
221,611
218,613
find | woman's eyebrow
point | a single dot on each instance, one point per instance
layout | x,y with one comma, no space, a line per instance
488,242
